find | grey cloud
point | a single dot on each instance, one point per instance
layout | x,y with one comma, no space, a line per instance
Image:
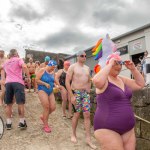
122,13
67,37
95,13
25,12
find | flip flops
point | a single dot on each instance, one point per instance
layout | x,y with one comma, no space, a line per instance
47,129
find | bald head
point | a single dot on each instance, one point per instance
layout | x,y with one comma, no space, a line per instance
80,53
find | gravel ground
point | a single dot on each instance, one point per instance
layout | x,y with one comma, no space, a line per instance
33,138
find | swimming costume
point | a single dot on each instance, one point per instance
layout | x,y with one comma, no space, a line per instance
48,78
114,110
82,101
63,79
32,76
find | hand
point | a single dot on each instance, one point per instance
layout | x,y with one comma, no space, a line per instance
59,87
47,85
112,61
73,100
130,65
2,82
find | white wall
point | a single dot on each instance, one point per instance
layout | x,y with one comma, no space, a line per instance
147,39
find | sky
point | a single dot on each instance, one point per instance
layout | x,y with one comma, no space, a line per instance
66,26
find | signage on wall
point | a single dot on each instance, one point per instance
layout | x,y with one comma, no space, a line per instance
137,45
123,50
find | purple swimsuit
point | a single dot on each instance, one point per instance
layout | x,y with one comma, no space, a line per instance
114,110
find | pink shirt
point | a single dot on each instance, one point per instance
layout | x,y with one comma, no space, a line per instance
13,69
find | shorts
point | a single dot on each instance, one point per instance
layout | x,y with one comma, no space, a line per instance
14,89
82,101
32,76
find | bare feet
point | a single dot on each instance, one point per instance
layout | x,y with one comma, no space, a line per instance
73,139
70,116
91,145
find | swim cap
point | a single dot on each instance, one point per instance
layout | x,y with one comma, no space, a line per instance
114,55
47,58
52,63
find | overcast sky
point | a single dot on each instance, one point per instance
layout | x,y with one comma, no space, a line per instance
66,26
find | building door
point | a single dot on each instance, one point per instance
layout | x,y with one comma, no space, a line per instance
136,58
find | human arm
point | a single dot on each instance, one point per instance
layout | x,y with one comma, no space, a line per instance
26,71
2,81
100,79
38,78
89,82
138,81
69,77
56,79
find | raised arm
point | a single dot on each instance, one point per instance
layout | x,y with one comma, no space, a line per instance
138,81
100,79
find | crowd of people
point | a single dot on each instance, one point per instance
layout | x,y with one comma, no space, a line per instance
114,118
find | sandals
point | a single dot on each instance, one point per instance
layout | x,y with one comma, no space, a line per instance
47,129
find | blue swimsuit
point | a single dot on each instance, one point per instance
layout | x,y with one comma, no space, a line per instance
48,78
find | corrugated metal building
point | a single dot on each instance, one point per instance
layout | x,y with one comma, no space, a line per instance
131,45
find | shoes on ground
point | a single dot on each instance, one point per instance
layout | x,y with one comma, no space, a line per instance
22,125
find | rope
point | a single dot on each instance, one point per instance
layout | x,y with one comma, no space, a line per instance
142,119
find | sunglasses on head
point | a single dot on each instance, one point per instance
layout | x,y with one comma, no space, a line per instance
83,56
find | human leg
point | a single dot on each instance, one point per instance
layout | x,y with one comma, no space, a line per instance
19,92
129,140
8,110
108,139
64,100
2,94
9,101
74,126
52,103
69,106
45,103
87,124
86,113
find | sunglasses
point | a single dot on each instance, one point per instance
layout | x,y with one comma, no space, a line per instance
83,56
120,62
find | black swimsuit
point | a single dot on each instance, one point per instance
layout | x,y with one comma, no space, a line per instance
62,79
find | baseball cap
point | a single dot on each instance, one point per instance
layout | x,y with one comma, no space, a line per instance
47,59
52,63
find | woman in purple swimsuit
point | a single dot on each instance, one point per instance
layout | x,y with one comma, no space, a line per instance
114,118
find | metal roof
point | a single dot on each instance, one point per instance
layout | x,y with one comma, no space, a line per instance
132,31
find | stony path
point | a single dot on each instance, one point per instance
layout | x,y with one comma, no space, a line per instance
34,138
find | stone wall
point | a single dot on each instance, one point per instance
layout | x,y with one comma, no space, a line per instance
141,105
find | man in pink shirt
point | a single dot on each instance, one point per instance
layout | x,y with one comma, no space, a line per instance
14,84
